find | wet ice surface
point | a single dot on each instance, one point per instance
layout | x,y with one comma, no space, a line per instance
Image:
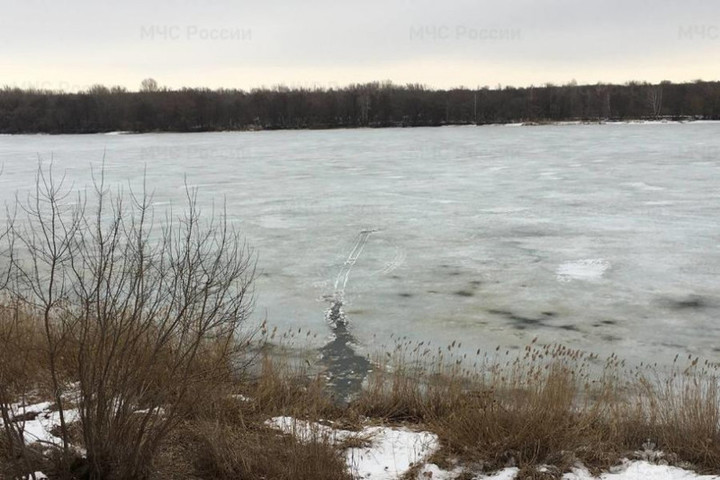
606,238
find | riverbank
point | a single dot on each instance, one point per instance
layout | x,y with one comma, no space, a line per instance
254,128
424,411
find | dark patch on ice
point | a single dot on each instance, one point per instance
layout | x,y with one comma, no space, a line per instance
716,349
604,323
690,303
610,338
514,317
432,291
464,293
571,328
495,311
344,368
395,277
405,295
454,273
524,320
336,315
519,322
475,283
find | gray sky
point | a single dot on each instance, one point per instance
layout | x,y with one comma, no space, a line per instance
72,44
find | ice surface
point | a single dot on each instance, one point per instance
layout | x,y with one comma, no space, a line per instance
471,222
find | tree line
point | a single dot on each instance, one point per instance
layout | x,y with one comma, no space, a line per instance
377,104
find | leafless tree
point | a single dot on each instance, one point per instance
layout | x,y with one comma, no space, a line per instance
655,99
149,85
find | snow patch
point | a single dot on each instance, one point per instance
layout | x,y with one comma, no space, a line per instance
390,454
641,470
591,269
38,428
308,431
635,470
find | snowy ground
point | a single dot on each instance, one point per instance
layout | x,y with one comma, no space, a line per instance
639,470
390,452
382,453
39,420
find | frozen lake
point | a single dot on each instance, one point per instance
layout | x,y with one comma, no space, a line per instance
603,237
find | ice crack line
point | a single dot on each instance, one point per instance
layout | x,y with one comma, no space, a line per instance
344,274
335,314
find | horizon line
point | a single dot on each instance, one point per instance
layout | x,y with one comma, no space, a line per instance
330,86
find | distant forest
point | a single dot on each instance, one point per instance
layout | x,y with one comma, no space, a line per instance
378,104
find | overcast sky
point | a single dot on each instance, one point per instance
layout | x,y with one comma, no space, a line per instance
72,44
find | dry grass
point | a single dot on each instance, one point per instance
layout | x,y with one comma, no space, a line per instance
22,380
220,431
283,389
22,354
682,414
546,405
227,437
225,452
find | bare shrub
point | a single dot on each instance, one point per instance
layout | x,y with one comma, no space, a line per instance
139,320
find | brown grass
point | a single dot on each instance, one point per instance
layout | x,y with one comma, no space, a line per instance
226,437
21,381
225,452
546,405
22,354
549,406
280,388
